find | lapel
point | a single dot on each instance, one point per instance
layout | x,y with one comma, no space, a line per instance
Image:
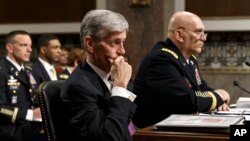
188,69
15,73
96,80
44,72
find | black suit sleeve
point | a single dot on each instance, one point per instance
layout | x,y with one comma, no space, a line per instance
94,117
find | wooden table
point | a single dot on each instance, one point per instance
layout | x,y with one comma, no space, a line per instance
149,134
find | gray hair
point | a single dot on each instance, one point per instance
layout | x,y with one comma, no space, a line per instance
99,23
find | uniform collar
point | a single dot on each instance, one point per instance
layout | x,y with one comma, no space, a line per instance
18,67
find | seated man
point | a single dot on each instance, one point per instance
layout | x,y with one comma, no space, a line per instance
96,108
168,81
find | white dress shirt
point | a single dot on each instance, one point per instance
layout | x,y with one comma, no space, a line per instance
115,91
50,69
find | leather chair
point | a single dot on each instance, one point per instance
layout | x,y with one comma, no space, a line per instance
54,124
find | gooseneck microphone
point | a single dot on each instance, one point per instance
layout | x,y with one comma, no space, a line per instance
247,63
236,83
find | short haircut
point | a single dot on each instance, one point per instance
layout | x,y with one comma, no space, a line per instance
10,35
45,39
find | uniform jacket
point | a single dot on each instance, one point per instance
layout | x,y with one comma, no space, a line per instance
92,112
17,95
166,84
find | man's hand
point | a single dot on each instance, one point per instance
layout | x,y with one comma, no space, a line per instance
224,95
223,107
121,72
37,113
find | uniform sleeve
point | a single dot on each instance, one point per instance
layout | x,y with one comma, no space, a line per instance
165,78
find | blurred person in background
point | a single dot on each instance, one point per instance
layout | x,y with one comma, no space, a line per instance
75,57
49,47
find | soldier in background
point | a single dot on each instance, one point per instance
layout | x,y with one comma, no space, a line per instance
19,111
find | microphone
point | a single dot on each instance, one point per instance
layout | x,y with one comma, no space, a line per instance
236,83
247,63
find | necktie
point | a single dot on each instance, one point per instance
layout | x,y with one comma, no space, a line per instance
53,74
23,74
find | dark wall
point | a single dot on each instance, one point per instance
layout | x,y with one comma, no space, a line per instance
42,11
146,23
146,27
219,8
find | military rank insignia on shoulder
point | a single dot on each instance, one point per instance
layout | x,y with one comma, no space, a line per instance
171,52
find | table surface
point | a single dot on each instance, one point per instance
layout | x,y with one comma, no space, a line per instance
149,134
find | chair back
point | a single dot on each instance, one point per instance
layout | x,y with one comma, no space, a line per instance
51,109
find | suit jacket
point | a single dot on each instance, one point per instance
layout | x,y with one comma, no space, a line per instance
64,74
16,97
166,84
39,72
91,111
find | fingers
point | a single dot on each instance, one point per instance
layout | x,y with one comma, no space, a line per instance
224,95
223,107
121,72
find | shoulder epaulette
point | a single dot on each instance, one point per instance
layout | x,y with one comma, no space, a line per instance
171,52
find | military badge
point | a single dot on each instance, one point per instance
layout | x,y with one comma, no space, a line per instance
197,75
14,99
13,83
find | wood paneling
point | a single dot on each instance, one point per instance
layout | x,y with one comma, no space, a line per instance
42,11
219,8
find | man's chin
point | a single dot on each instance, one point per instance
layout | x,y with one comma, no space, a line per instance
26,60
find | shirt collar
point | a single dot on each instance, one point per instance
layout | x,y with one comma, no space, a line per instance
18,67
104,76
46,65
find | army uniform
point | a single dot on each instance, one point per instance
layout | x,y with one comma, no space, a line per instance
17,95
167,83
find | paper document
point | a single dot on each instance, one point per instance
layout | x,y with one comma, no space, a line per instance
235,111
207,121
243,102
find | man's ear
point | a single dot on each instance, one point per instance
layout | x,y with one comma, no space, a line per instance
9,48
179,36
89,44
42,49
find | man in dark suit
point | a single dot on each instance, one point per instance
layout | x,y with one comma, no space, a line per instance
18,101
49,47
168,81
98,109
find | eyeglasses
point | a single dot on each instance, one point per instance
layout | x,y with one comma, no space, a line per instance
199,33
